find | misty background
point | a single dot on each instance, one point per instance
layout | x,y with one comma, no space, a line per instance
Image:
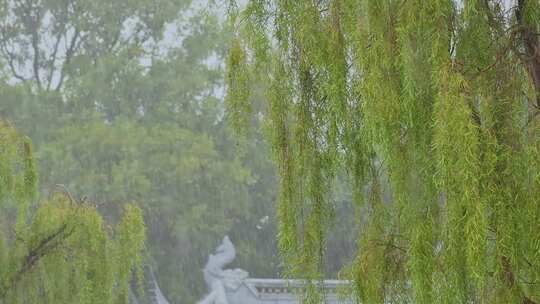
123,101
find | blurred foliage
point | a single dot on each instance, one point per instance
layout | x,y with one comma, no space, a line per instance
135,113
59,250
141,120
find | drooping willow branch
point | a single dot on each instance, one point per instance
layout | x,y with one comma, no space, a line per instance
34,255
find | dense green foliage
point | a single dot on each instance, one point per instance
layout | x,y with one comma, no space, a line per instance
431,107
60,250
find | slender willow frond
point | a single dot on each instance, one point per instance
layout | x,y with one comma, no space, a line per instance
431,108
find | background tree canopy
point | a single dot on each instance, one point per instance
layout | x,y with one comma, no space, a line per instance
431,107
59,250
122,102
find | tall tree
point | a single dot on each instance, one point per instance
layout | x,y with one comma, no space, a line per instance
47,41
432,109
60,251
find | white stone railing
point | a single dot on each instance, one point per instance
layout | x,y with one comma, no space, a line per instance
255,291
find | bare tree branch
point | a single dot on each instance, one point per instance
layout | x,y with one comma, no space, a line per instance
529,37
10,59
69,54
34,255
509,278
53,57
32,24
65,190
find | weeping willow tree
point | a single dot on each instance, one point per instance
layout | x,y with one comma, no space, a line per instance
60,251
431,108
